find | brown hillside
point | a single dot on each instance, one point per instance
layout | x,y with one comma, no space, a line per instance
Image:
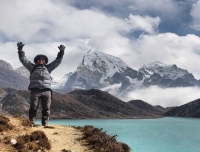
191,109
108,105
77,104
145,106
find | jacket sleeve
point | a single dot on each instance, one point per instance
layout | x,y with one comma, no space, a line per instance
27,64
56,62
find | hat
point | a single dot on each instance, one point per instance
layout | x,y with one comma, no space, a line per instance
41,56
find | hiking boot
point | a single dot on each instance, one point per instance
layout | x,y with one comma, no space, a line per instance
50,127
35,125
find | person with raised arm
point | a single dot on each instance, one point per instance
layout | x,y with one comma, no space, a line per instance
40,82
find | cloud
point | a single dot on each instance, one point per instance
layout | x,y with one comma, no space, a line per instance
112,89
31,22
154,95
165,97
195,14
43,28
168,48
146,23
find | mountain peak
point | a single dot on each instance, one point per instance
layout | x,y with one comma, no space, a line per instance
166,71
5,65
98,69
91,51
157,63
94,59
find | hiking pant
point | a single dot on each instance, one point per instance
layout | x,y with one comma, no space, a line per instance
45,98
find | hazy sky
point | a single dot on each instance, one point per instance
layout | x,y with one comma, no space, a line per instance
137,31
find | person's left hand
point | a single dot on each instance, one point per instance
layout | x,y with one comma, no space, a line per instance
61,48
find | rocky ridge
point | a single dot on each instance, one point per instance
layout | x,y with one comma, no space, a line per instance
191,109
77,104
147,107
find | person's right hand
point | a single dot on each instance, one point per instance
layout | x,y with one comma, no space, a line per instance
20,45
62,48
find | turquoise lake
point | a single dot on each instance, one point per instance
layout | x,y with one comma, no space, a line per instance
148,135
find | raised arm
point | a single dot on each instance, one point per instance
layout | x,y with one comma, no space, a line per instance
58,59
23,58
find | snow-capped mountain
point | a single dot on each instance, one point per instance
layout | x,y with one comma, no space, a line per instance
160,74
165,71
5,65
98,70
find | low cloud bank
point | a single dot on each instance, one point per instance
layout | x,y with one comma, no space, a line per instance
165,97
154,95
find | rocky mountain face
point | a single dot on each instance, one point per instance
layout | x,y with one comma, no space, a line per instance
99,70
5,65
191,109
9,78
163,75
77,104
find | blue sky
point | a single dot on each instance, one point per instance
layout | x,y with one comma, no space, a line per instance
137,31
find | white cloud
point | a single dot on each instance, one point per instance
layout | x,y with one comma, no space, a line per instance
168,48
195,14
146,23
42,29
112,89
165,97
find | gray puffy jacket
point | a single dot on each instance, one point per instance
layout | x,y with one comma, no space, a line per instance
40,74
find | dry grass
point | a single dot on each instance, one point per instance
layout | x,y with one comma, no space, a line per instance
33,141
5,124
99,141
37,140
24,121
